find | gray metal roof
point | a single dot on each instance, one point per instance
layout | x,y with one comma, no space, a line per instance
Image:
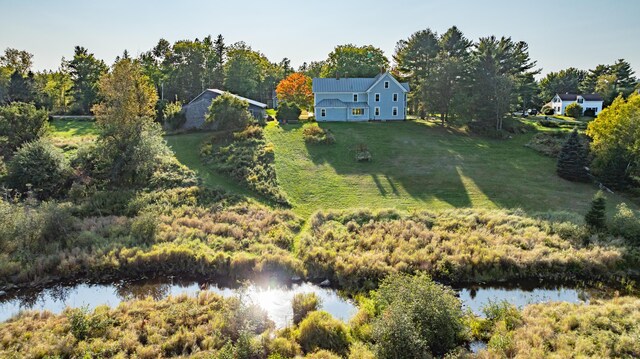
357,104
332,102
342,85
220,92
405,85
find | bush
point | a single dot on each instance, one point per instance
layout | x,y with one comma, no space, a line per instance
572,160
228,112
313,133
416,318
247,158
172,116
319,330
573,110
20,123
362,153
288,112
302,304
626,223
547,110
547,143
596,218
40,167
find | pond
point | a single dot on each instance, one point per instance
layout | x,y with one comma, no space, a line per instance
274,298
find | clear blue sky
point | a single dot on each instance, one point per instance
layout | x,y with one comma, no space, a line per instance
560,34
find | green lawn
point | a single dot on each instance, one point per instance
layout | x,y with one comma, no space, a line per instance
419,165
67,128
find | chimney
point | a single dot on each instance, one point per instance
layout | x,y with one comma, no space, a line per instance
337,75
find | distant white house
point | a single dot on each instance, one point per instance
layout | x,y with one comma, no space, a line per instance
589,102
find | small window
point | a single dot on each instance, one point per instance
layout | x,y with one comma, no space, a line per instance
395,111
395,97
580,100
357,111
377,97
386,84
323,112
377,111
355,97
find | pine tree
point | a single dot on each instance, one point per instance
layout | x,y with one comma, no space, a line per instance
596,217
572,160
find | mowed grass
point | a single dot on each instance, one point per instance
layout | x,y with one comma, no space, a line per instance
419,165
67,128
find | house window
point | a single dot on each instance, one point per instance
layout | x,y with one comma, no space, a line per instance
377,97
357,111
395,97
395,111
386,84
377,111
580,100
355,97
323,112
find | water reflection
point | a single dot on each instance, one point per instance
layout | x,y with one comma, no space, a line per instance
274,299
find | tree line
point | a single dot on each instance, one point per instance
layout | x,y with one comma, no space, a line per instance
451,76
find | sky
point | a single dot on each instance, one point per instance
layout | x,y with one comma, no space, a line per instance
560,34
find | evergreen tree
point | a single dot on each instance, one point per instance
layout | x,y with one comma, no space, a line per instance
85,72
572,160
21,88
596,217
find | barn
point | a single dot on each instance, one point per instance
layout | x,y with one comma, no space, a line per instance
196,111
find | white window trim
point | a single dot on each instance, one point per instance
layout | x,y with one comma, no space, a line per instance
376,111
386,84
355,97
357,108
395,97
376,97
394,109
323,112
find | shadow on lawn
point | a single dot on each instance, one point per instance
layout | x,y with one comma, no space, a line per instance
431,162
75,127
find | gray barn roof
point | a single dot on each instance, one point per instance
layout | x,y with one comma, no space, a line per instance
220,92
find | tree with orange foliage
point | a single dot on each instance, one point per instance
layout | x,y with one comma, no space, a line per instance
295,88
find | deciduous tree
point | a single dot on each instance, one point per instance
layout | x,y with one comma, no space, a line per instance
296,88
355,61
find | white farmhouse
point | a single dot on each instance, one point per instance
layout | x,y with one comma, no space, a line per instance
591,103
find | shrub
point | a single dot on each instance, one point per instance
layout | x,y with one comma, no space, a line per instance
590,112
416,317
547,110
144,228
319,330
228,112
41,167
572,160
362,153
322,354
288,112
626,223
573,110
547,143
313,133
302,304
172,116
248,159
596,216
20,123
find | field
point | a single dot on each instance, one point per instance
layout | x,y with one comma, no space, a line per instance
419,165
415,165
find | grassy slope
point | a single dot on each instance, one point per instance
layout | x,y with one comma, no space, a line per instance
418,165
187,150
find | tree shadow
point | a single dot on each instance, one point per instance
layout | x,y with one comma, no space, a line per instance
399,162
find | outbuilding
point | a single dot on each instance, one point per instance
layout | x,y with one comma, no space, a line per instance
196,111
